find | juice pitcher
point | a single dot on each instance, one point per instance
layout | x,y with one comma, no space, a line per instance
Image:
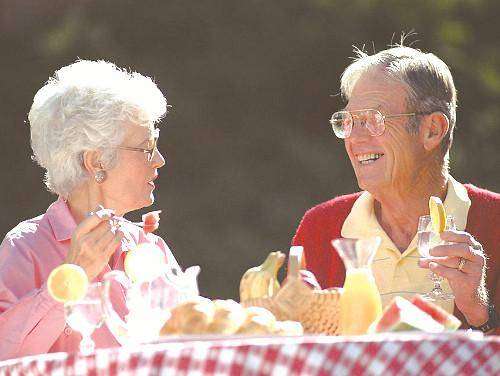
148,303
360,303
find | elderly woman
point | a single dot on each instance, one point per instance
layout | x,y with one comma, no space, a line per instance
92,130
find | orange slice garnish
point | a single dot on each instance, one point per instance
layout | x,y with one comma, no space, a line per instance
67,283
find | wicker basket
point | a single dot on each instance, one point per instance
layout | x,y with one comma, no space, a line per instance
316,310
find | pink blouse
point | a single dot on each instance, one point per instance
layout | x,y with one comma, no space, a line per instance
31,322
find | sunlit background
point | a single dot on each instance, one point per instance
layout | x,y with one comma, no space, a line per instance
252,84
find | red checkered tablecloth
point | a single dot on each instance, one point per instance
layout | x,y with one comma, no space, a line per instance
391,354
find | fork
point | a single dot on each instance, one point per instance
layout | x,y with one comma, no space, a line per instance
125,220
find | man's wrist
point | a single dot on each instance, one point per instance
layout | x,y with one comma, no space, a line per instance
491,324
477,317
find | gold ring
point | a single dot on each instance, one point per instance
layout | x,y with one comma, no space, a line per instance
461,264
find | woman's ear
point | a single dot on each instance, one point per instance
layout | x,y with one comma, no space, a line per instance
92,161
433,129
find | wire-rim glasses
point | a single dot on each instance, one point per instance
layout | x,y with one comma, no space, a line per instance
150,151
343,121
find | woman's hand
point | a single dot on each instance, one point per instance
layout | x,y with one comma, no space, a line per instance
93,242
463,264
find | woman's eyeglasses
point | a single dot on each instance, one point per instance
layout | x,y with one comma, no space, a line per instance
149,151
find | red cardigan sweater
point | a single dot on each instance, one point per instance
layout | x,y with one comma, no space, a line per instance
324,222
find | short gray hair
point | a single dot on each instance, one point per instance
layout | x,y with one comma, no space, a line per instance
84,107
428,79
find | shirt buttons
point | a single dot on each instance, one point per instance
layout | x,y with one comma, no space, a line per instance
68,330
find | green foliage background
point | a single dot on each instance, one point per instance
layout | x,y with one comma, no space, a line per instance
253,83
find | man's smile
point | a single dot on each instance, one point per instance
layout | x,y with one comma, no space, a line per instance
368,158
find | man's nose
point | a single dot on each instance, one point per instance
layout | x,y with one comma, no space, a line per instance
359,130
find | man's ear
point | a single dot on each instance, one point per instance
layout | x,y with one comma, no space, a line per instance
433,129
92,161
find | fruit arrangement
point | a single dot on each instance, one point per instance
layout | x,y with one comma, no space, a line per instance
227,317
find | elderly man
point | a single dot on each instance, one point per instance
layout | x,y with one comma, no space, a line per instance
398,129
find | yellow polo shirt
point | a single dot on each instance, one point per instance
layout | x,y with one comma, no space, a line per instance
396,272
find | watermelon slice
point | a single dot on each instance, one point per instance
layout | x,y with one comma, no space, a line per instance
449,321
401,315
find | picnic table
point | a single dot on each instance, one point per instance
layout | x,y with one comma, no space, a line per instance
464,353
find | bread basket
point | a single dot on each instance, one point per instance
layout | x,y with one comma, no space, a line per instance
317,310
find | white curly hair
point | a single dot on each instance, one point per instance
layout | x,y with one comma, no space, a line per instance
84,107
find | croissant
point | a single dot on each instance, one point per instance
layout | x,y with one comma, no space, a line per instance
259,321
288,328
228,317
193,317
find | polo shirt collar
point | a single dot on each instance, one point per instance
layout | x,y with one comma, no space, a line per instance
362,221
457,203
61,220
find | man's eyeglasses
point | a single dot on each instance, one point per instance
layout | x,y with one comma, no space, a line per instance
150,151
343,121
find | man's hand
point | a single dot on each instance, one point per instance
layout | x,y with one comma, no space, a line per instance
93,242
466,280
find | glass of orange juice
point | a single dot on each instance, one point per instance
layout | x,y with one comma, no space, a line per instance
360,303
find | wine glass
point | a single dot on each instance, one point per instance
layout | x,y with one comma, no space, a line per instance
86,315
427,239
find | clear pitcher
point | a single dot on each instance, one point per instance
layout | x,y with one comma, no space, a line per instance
136,311
360,303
